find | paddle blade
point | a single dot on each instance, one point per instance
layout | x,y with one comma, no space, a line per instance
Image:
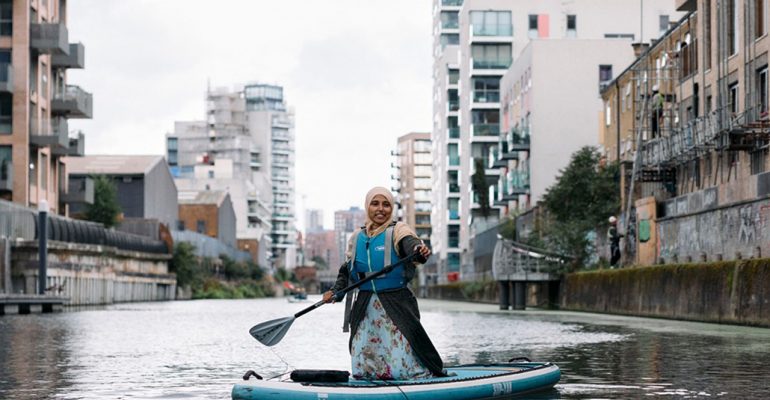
271,332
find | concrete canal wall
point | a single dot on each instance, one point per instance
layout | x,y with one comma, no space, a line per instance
735,292
92,274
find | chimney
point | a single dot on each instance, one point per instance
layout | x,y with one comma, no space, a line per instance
639,48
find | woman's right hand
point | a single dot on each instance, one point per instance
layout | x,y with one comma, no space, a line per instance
328,297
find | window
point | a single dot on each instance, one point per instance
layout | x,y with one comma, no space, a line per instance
453,262
733,98
449,20
6,17
571,25
6,162
663,23
32,166
607,114
200,226
454,76
453,178
486,90
485,122
707,33
211,174
172,143
762,91
760,26
449,38
532,26
491,56
180,225
619,36
6,116
732,27
453,236
605,73
453,100
758,161
491,23
453,153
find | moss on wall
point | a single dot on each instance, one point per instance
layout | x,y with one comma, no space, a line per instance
725,291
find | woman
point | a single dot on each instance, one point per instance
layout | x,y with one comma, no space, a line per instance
387,340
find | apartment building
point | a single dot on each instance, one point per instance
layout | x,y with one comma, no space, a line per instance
688,120
475,43
414,181
314,220
36,102
222,153
345,222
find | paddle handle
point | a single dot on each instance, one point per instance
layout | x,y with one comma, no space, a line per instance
375,275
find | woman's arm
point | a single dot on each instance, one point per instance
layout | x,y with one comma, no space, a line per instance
410,245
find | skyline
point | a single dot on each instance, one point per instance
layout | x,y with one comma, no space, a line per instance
145,81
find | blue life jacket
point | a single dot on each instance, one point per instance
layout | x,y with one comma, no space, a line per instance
372,255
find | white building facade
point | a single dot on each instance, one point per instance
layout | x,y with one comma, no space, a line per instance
475,44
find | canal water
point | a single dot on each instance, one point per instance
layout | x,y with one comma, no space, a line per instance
199,349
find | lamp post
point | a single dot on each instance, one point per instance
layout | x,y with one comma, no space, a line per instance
42,224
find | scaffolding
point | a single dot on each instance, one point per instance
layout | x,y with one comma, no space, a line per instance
669,141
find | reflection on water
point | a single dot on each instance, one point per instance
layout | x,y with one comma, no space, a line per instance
199,349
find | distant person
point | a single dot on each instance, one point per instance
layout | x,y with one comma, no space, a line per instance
658,102
387,340
614,237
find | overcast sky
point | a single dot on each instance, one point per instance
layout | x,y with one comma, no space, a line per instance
357,72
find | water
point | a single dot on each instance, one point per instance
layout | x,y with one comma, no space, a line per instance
199,349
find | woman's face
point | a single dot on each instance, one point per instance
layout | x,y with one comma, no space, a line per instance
379,209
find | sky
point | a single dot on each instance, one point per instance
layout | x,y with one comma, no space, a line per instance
356,72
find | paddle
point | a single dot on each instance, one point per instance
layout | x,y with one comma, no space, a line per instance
271,332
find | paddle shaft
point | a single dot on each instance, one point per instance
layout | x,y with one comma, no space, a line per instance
375,275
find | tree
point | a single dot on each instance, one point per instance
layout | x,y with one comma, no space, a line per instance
480,186
185,264
320,262
105,208
585,194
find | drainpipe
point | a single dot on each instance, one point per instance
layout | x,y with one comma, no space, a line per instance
42,245
617,121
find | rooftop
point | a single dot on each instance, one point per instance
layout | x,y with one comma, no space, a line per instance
111,165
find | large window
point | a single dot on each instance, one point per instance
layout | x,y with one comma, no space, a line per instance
453,153
454,181
532,26
453,206
486,90
449,20
663,23
449,38
453,262
491,56
491,23
485,122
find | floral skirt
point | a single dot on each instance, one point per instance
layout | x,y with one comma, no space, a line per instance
379,349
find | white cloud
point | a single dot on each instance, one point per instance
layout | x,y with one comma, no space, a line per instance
357,72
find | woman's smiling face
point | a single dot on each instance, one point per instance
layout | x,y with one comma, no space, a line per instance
379,209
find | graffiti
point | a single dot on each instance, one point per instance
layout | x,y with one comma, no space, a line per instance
710,199
764,215
748,225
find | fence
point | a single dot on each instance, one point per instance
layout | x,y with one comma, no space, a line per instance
206,246
19,222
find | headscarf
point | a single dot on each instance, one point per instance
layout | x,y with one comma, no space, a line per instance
400,231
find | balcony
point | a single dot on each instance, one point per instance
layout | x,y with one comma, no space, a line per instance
55,136
486,96
453,105
518,140
454,132
485,131
73,102
491,65
49,38
518,182
76,148
6,176
6,78
75,59
492,30
452,3
80,191
279,122
495,161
